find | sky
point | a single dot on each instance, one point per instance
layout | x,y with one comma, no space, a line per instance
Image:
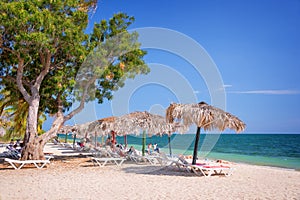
252,47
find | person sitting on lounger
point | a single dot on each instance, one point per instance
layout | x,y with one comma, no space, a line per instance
150,148
131,151
155,147
108,142
223,161
117,150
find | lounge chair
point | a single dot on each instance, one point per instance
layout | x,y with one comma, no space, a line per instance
104,160
165,160
181,163
138,158
18,164
186,164
212,169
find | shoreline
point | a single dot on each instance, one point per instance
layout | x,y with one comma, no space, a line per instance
75,177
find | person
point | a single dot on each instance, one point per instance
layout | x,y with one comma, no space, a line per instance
108,142
155,147
120,146
131,150
150,148
117,150
83,143
10,145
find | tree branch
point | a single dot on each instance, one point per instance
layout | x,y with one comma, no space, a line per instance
81,105
19,80
10,50
46,63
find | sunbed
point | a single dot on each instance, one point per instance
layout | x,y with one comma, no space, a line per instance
152,159
181,163
212,169
18,164
104,160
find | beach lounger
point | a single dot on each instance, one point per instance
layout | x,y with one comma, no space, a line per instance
181,163
209,170
104,160
165,160
144,159
18,164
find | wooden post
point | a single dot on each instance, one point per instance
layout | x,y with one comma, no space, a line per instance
170,149
74,139
66,138
144,143
196,145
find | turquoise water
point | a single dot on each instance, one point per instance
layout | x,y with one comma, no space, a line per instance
278,150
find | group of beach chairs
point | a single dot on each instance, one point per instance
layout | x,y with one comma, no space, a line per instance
103,156
203,168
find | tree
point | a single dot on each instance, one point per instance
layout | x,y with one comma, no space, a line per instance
47,58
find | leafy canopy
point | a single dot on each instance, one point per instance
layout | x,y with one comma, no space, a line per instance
48,36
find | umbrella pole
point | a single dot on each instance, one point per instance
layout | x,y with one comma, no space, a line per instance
196,145
144,143
74,139
170,149
125,140
66,138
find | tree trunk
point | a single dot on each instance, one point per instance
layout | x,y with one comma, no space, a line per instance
31,137
34,148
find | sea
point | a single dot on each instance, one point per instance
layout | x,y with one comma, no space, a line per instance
276,150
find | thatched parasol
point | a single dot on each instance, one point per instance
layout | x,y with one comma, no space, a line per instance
98,127
104,126
135,122
203,116
67,129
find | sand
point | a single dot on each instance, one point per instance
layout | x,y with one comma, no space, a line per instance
75,177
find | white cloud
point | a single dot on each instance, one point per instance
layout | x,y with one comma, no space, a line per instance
224,87
272,92
227,86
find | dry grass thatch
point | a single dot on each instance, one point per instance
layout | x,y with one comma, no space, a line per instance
135,122
98,127
204,116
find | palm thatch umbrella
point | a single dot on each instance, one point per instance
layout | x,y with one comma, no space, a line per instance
102,127
99,127
67,129
203,116
135,122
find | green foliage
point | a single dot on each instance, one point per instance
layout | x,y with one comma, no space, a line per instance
14,112
51,33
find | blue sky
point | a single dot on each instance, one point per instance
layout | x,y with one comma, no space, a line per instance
255,46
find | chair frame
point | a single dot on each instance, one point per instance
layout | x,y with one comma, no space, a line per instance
209,170
101,162
18,164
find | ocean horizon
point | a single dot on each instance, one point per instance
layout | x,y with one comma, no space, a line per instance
276,150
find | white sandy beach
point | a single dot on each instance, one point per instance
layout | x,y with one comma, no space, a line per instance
78,178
